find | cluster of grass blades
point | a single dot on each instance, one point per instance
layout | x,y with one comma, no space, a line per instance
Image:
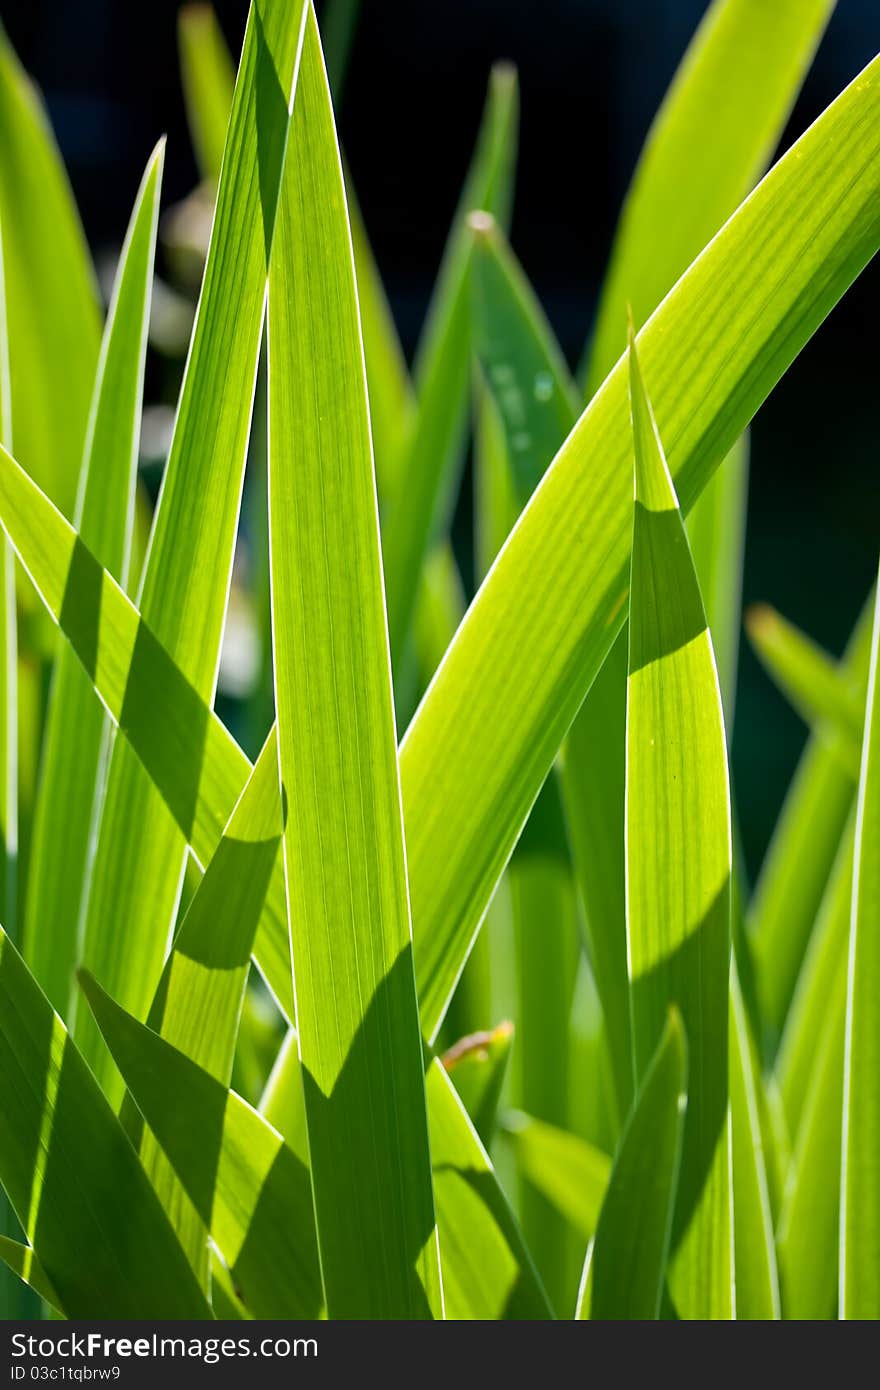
255,1056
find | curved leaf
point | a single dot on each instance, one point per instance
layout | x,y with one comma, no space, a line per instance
626,1262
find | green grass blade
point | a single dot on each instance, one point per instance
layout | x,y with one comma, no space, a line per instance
808,1234
860,1171
521,360
250,1189
757,1280
432,452
714,134
72,766
714,349
801,854
810,679
51,294
8,663
14,1301
208,81
72,1176
545,939
140,847
477,1065
571,1173
439,610
351,937
198,1005
487,1270
625,1266
821,966
21,1261
678,861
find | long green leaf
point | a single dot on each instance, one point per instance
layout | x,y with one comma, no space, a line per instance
712,137
52,301
357,1014
140,846
72,763
678,861
822,964
432,452
757,1280
808,1234
801,854
83,1199
860,1169
625,1265
487,1270
13,1300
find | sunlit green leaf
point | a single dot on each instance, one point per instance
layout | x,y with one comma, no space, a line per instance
625,1265
860,1171
351,936
73,762
678,861
83,1200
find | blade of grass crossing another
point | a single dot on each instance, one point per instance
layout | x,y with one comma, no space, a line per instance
140,848
548,612
75,739
678,861
348,906
716,130
21,1261
860,1170
530,402
198,1003
626,1262
247,1186
71,1175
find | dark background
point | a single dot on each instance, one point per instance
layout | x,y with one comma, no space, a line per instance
592,74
